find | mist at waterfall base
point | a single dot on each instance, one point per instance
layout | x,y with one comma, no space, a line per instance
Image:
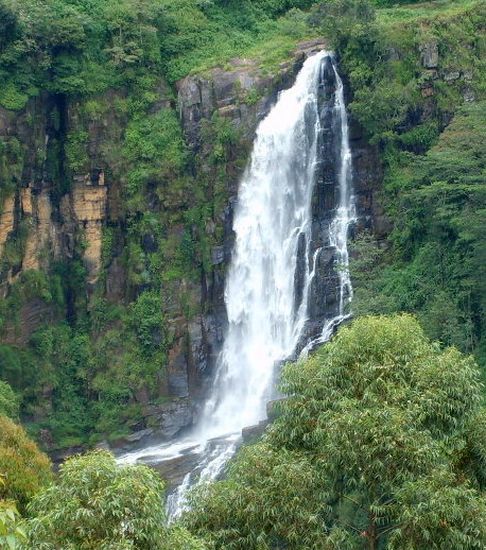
267,311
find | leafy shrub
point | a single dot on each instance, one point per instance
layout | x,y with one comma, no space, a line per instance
145,318
24,470
97,504
9,402
12,534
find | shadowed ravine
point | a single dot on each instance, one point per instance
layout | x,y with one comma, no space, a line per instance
291,223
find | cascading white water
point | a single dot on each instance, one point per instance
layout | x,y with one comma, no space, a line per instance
272,214
338,231
273,217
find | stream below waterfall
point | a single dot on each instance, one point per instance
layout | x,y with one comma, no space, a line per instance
272,278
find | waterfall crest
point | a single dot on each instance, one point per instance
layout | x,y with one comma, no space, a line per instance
273,267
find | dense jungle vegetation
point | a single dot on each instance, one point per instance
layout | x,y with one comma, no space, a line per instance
382,444
88,376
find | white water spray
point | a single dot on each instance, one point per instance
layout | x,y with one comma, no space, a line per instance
273,217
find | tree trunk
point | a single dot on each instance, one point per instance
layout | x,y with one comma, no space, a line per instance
372,534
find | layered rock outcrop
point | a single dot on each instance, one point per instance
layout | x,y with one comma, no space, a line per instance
6,220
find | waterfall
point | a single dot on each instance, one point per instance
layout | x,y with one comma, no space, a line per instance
267,293
273,213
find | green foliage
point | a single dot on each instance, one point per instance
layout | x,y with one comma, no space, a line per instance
17,367
85,47
155,148
32,284
380,53
76,150
145,319
449,512
372,448
75,48
11,98
24,470
202,35
65,362
436,264
133,29
386,3
271,496
81,386
179,538
12,534
348,21
11,164
96,504
9,402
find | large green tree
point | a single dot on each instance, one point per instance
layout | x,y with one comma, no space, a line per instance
97,505
380,444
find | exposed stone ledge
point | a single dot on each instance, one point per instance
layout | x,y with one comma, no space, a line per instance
86,206
242,93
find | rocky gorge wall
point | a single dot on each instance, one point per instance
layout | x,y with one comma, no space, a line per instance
64,203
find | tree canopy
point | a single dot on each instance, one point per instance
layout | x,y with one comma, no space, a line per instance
380,442
97,505
9,402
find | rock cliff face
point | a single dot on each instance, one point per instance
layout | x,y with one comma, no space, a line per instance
221,93
36,200
59,199
242,96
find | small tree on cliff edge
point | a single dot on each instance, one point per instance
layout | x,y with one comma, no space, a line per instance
389,431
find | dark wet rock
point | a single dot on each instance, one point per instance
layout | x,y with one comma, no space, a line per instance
451,76
103,445
227,92
197,344
169,418
469,95
138,436
251,433
149,243
393,54
33,314
175,469
217,255
177,371
165,421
